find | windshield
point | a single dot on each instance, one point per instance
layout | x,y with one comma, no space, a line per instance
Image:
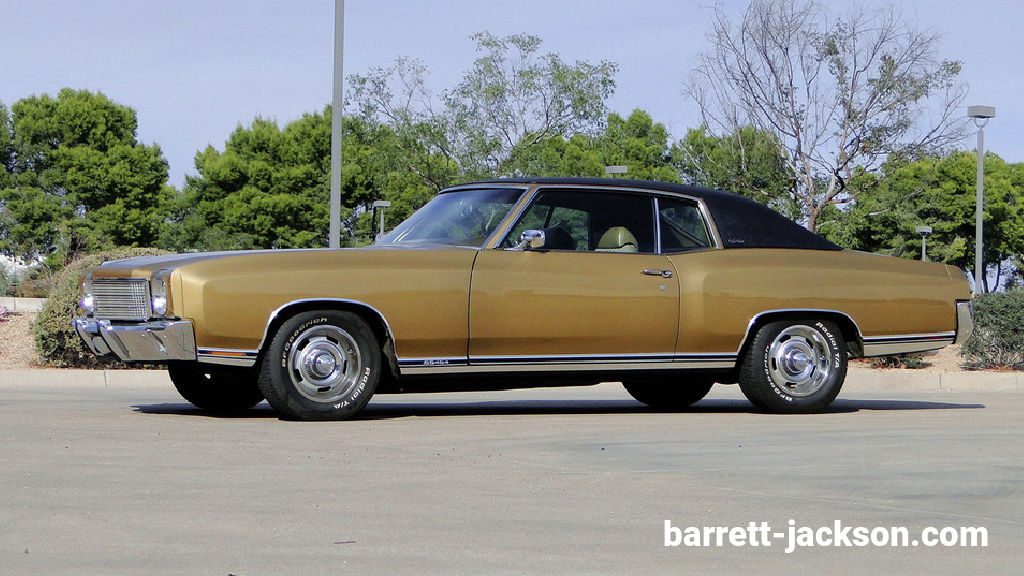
461,218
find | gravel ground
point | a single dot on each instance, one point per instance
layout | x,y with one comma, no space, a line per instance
17,348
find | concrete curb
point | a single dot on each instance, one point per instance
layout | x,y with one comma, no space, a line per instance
856,381
22,304
894,380
55,378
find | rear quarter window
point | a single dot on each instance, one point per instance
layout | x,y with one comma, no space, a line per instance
682,226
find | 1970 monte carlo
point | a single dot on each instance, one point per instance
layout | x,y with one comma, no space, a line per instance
529,282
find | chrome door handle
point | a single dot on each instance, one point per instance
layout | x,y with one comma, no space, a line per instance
657,272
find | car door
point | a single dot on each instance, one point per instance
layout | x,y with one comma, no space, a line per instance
597,293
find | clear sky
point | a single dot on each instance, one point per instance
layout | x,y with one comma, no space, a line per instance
195,69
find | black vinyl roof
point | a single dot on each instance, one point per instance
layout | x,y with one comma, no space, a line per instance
741,222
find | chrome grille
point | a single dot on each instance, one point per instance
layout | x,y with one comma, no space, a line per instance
121,298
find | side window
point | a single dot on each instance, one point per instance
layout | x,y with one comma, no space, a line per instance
682,226
589,221
576,222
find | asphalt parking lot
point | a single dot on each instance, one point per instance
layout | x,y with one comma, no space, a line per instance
131,480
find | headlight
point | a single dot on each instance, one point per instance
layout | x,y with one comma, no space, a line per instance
86,302
158,290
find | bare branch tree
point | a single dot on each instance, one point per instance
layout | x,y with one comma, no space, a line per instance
836,93
398,96
514,98
511,99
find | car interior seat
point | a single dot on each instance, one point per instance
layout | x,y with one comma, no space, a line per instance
558,238
617,239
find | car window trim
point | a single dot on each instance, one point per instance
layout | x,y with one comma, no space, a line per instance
701,209
501,232
540,188
657,226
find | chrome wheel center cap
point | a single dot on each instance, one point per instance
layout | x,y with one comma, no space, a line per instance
798,362
321,364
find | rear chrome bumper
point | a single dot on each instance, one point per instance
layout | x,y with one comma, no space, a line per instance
158,341
964,320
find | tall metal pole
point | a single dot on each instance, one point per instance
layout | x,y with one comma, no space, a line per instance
924,248
979,272
337,104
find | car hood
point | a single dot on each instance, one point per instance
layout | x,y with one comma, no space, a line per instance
144,266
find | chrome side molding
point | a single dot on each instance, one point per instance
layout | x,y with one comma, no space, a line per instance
749,333
227,356
906,343
569,363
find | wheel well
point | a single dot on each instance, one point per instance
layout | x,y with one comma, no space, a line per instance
849,329
373,318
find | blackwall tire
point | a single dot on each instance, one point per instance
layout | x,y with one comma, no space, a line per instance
218,390
794,366
669,394
321,365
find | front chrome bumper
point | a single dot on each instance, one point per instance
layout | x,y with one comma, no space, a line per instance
157,341
964,320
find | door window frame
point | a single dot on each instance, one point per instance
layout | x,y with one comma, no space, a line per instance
592,190
526,201
701,212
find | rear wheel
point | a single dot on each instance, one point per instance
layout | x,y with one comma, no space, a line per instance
667,394
221,390
321,365
794,367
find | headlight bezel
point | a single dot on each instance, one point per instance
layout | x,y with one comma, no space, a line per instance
86,303
159,297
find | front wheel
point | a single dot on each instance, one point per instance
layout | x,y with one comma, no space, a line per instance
794,367
321,365
216,390
668,395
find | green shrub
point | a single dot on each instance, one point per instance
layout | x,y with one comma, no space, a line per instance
36,284
7,280
998,338
57,344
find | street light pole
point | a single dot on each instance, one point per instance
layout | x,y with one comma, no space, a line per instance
380,205
924,231
981,114
337,103
979,203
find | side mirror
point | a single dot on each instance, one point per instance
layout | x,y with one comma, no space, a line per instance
531,240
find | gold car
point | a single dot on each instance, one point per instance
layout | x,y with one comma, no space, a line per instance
529,282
